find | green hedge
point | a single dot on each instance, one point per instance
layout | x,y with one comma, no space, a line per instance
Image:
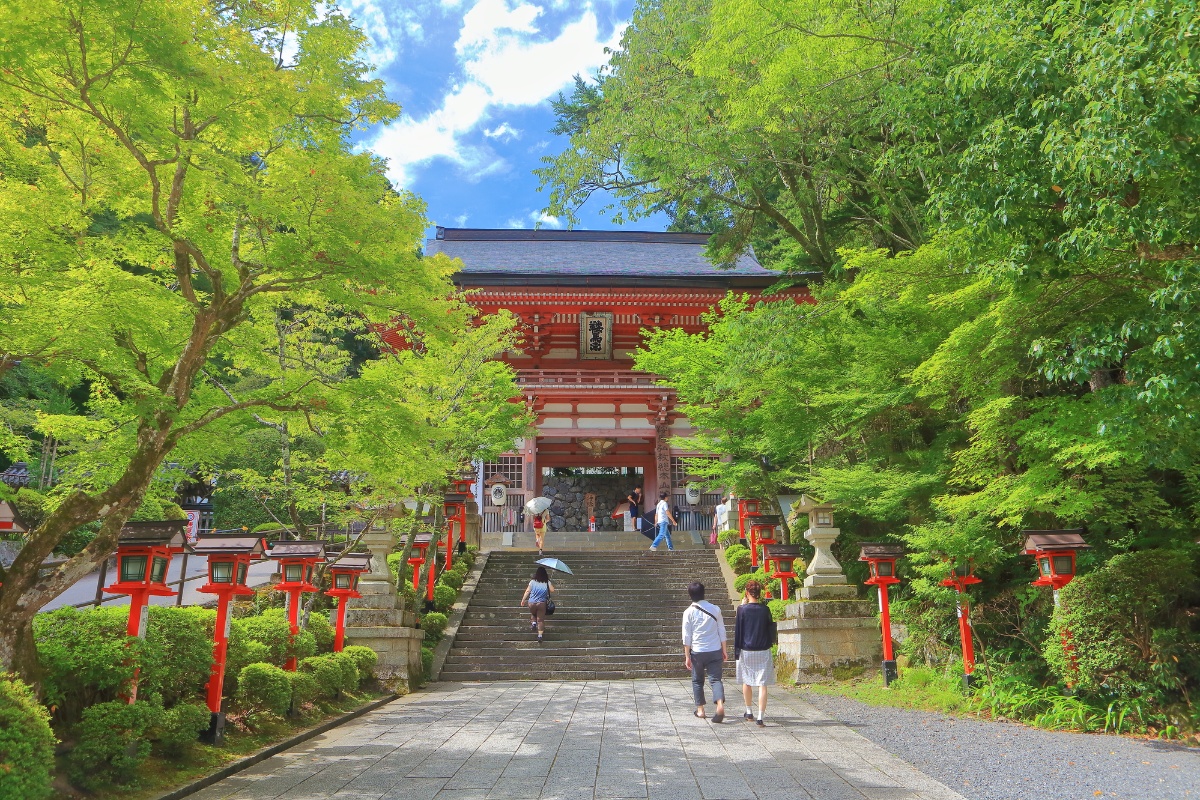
1128,625
113,741
451,579
181,727
427,662
738,558
364,658
322,631
434,625
264,687
304,689
335,673
444,597
272,629
26,743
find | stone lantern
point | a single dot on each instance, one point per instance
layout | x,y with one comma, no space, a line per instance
881,560
297,563
345,571
961,576
825,579
229,557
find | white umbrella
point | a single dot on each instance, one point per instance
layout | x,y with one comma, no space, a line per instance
537,505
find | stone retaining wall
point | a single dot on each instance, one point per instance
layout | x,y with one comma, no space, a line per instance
568,512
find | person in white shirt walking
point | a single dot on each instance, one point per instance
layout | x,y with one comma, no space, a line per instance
663,520
704,649
720,519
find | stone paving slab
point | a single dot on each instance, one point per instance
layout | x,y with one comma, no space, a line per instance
586,740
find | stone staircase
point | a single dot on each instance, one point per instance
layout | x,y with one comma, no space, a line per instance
563,541
618,617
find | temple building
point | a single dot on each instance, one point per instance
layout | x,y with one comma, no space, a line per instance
584,300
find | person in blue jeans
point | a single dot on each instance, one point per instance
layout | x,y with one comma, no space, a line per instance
704,649
663,520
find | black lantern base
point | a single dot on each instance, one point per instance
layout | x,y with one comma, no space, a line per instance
968,681
215,735
890,673
429,606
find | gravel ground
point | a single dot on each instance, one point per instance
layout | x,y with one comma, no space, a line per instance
984,760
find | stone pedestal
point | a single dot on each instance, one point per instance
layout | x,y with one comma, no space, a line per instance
379,621
474,524
825,579
816,636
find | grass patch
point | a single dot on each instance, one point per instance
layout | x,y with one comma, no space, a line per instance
159,774
918,688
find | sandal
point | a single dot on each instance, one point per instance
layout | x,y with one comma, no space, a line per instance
698,714
719,716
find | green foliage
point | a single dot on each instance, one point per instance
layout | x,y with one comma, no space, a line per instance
180,728
1125,629
177,658
452,579
778,609
728,538
738,558
85,657
335,673
305,689
113,741
427,662
364,659
271,629
444,597
264,687
322,632
26,743
434,625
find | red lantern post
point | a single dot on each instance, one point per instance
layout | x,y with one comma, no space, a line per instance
747,508
783,557
297,560
762,533
345,570
229,557
960,579
1055,555
881,560
456,522
144,551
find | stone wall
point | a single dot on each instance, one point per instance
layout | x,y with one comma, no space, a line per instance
568,513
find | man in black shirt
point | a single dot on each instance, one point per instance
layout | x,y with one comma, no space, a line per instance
635,506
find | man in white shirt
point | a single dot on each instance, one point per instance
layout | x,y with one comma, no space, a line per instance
721,515
663,519
704,649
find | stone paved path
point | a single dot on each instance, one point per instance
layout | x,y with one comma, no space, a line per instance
592,740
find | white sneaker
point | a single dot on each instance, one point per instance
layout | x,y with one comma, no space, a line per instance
652,549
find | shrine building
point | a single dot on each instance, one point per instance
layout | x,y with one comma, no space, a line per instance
584,299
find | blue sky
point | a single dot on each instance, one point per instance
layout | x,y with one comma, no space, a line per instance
475,79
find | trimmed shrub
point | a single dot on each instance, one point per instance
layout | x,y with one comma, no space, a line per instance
177,658
739,583
241,651
349,668
1126,624
427,662
26,743
434,625
738,558
322,631
444,597
332,673
85,657
365,659
264,687
727,538
113,741
181,728
304,688
778,607
452,579
271,629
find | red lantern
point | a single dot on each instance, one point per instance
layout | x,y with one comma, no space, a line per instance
229,557
421,546
881,560
783,557
144,551
962,576
1055,555
345,571
762,533
746,508
297,562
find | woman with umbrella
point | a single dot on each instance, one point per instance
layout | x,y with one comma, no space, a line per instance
537,596
540,508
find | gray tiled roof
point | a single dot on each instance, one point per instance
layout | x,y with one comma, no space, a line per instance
587,253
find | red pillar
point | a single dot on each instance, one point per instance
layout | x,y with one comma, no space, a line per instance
293,623
339,634
964,630
216,678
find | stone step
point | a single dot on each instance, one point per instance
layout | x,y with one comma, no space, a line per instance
537,674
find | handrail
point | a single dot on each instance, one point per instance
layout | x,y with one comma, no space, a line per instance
585,376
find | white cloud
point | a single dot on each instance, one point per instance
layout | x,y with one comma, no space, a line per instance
504,132
506,62
545,220
460,220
